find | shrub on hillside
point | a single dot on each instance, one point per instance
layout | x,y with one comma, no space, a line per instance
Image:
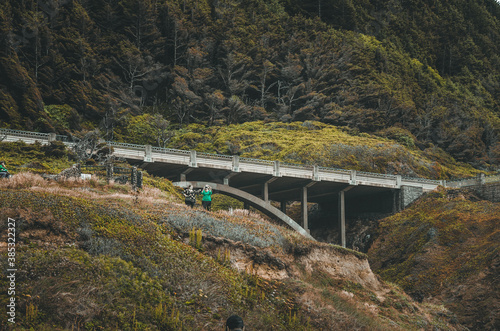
263,235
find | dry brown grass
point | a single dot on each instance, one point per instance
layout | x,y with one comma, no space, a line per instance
24,180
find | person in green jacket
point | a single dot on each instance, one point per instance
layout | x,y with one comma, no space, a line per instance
4,173
206,200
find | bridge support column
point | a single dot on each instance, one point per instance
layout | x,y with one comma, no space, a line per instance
342,214
265,189
342,218
305,220
283,206
52,137
183,175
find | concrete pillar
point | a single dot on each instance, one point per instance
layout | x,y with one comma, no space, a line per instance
398,181
184,173
148,153
265,192
276,170
192,159
315,174
305,221
236,163
342,218
246,205
52,137
353,177
283,206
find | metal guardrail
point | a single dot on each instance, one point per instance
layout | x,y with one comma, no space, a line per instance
256,161
168,150
28,134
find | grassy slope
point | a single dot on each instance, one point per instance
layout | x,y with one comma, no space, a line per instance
308,142
92,256
446,246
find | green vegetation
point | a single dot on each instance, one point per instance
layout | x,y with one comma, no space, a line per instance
448,240
92,257
37,158
309,142
423,72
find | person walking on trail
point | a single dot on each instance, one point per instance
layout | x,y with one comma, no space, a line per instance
235,323
206,200
190,195
4,173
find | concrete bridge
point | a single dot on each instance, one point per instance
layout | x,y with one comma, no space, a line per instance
258,182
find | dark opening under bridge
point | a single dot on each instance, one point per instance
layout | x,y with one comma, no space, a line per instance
258,182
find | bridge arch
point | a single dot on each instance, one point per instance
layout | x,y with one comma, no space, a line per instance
252,200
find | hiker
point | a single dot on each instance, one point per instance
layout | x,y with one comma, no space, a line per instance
235,323
206,201
190,195
4,173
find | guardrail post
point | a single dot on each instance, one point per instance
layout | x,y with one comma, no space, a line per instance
148,153
139,179
236,163
133,178
52,137
315,175
192,159
353,178
276,170
109,171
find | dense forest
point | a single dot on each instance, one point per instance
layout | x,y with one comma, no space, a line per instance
431,68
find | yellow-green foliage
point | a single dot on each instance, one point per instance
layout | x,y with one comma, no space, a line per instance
115,264
125,273
161,183
440,242
391,151
20,156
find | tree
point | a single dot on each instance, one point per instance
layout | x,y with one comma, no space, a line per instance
161,130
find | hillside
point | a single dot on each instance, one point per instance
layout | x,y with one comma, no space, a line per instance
429,67
95,256
445,248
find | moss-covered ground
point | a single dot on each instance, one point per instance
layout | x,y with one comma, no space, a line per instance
389,151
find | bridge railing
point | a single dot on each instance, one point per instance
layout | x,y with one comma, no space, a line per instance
334,174
214,160
257,165
296,170
376,179
249,164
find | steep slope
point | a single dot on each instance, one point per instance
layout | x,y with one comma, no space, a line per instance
430,67
90,255
445,248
